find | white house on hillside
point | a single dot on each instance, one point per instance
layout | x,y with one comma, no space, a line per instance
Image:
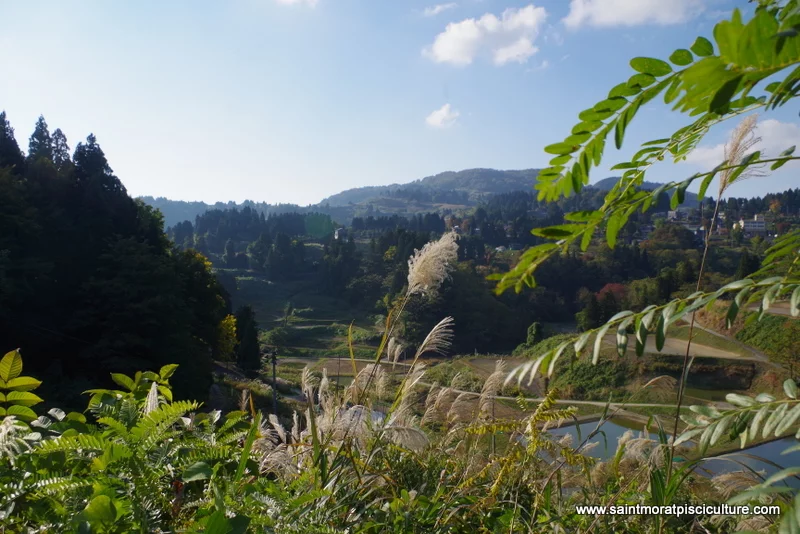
757,226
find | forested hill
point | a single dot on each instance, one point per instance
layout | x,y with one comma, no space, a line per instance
607,183
177,211
444,192
89,282
467,186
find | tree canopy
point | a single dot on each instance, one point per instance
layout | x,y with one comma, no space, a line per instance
89,282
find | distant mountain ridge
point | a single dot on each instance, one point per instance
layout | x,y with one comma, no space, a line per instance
690,201
176,211
477,183
445,192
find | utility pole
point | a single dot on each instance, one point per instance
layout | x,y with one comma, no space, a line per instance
272,354
338,365
494,430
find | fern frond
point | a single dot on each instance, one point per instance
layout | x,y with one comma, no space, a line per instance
232,437
116,426
77,443
231,420
151,428
203,453
59,486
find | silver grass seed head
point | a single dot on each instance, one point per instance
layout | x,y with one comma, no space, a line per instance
430,266
492,387
741,142
756,523
244,398
729,484
462,408
438,339
151,403
662,386
308,383
12,438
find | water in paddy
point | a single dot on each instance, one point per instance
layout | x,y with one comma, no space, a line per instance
770,452
701,394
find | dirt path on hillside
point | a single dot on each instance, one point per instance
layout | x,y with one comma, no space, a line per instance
777,308
757,355
677,347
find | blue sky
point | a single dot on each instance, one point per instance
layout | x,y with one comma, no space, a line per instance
294,100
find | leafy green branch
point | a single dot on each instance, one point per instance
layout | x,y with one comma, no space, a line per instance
614,214
711,85
751,416
656,320
16,395
714,86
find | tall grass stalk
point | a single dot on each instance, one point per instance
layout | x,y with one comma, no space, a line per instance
741,141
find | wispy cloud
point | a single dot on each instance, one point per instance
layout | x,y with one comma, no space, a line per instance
444,117
776,136
518,52
508,38
718,14
310,3
544,65
432,11
611,13
553,36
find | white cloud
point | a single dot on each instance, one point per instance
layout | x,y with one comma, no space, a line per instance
519,52
505,39
432,11
609,13
552,35
544,65
310,3
706,157
444,117
776,136
718,14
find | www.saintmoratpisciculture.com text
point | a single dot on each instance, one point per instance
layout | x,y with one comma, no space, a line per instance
678,509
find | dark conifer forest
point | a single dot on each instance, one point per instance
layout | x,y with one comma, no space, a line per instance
89,282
